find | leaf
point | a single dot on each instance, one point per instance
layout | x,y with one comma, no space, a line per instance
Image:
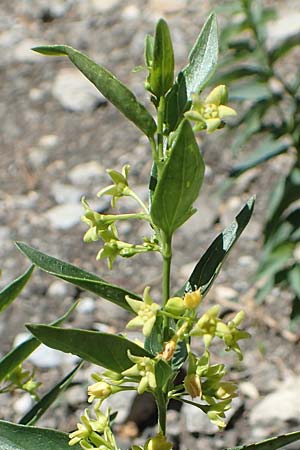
161,75
148,53
276,260
203,57
211,262
17,355
242,71
21,437
163,373
284,46
102,349
180,182
79,277
154,342
294,279
44,404
272,443
180,355
115,91
11,292
267,150
252,91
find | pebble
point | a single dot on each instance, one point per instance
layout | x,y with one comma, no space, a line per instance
59,289
49,141
75,93
249,390
197,421
64,217
131,12
280,406
167,6
86,305
103,6
286,25
23,404
86,173
66,193
224,293
75,395
38,157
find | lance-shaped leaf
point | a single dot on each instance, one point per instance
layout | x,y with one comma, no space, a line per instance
203,58
44,404
211,262
115,91
161,74
272,443
79,277
106,350
17,355
179,183
21,437
11,292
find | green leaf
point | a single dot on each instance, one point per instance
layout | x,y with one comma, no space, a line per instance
163,373
276,260
148,53
21,437
79,277
203,58
242,71
17,355
154,342
294,279
103,349
180,182
161,75
284,46
272,443
251,91
211,262
11,292
44,404
115,91
267,150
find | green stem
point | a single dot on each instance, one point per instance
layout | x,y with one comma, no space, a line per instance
115,217
167,257
139,201
160,125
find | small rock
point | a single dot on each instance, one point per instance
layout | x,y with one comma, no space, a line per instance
279,406
86,173
48,141
24,54
75,93
167,6
286,25
120,403
46,358
66,193
86,305
130,12
75,395
38,157
224,293
197,421
249,390
103,6
59,290
23,404
64,217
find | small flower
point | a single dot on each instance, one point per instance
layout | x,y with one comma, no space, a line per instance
226,390
143,367
88,426
175,306
192,300
97,223
110,249
146,312
158,442
206,325
119,188
208,114
99,390
192,384
231,334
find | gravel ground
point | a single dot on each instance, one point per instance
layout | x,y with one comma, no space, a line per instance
58,137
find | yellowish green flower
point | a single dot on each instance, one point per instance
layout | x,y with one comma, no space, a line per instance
192,300
231,334
146,312
192,384
100,390
120,187
97,223
158,442
143,368
208,114
206,325
88,427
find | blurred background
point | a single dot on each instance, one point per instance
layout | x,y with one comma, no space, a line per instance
58,135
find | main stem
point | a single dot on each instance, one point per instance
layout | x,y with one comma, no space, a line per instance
167,257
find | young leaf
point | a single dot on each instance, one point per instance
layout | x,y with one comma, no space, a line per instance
115,91
180,182
103,349
11,292
44,404
79,277
203,57
17,355
21,437
272,443
161,75
211,262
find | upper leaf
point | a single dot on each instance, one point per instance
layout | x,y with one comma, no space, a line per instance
103,349
11,292
179,183
21,437
211,262
203,57
115,91
79,277
271,444
162,68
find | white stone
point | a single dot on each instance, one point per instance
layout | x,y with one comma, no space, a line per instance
59,289
130,12
66,193
286,25
23,53
86,305
103,6
48,141
46,358
75,93
167,6
23,404
249,390
279,406
38,157
64,217
197,421
224,293
86,173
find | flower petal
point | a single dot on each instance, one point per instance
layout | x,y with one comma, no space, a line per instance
225,111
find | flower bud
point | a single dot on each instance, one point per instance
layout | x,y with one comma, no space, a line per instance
175,306
192,299
158,442
100,390
192,385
